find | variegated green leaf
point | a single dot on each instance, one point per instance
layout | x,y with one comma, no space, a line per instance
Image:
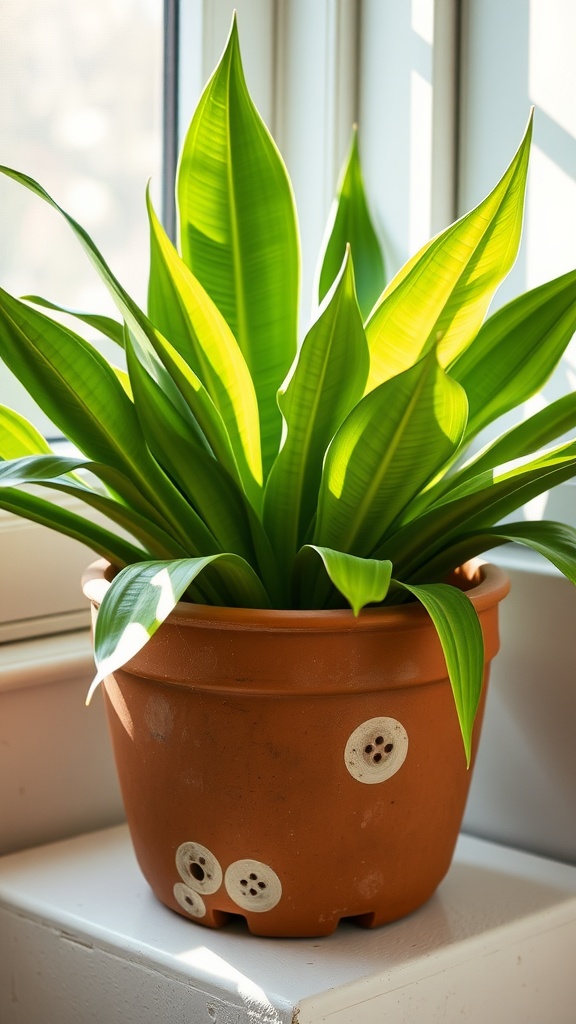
361,581
516,350
326,382
19,437
238,231
46,513
460,635
441,295
185,314
395,440
142,596
350,224
474,506
105,325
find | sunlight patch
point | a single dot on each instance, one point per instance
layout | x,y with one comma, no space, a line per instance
132,640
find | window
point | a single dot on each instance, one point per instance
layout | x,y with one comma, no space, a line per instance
80,111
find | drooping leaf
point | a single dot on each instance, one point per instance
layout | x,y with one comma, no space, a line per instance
361,581
516,350
326,382
555,541
394,440
142,596
440,297
81,394
524,439
238,231
133,316
46,513
72,383
59,473
474,506
460,635
106,325
350,224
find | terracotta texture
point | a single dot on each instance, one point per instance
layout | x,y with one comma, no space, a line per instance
295,768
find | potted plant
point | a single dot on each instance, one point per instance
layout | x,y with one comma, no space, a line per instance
292,634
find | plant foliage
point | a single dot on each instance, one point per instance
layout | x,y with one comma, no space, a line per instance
235,467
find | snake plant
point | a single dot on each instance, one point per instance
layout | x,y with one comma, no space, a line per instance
237,466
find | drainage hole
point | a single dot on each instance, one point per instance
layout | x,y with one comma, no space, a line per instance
243,881
379,740
253,892
377,758
189,901
261,885
253,877
368,749
389,747
202,861
197,872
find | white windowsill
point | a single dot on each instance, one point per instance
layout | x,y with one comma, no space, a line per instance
89,941
45,660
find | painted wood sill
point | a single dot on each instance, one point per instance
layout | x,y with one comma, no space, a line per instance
84,939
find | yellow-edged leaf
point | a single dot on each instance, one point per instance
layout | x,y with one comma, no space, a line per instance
441,295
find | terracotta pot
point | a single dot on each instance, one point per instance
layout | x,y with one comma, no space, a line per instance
294,768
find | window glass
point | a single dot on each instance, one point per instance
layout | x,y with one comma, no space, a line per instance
80,111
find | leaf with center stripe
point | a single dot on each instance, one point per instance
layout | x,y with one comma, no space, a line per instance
58,472
78,390
516,350
441,295
19,437
395,440
326,382
142,596
107,544
361,581
350,224
524,439
460,635
184,312
224,519
238,231
474,506
72,383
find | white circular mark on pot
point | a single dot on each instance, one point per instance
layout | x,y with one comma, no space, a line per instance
253,885
376,750
198,868
189,900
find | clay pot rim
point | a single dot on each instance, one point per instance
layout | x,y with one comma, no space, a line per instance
487,585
